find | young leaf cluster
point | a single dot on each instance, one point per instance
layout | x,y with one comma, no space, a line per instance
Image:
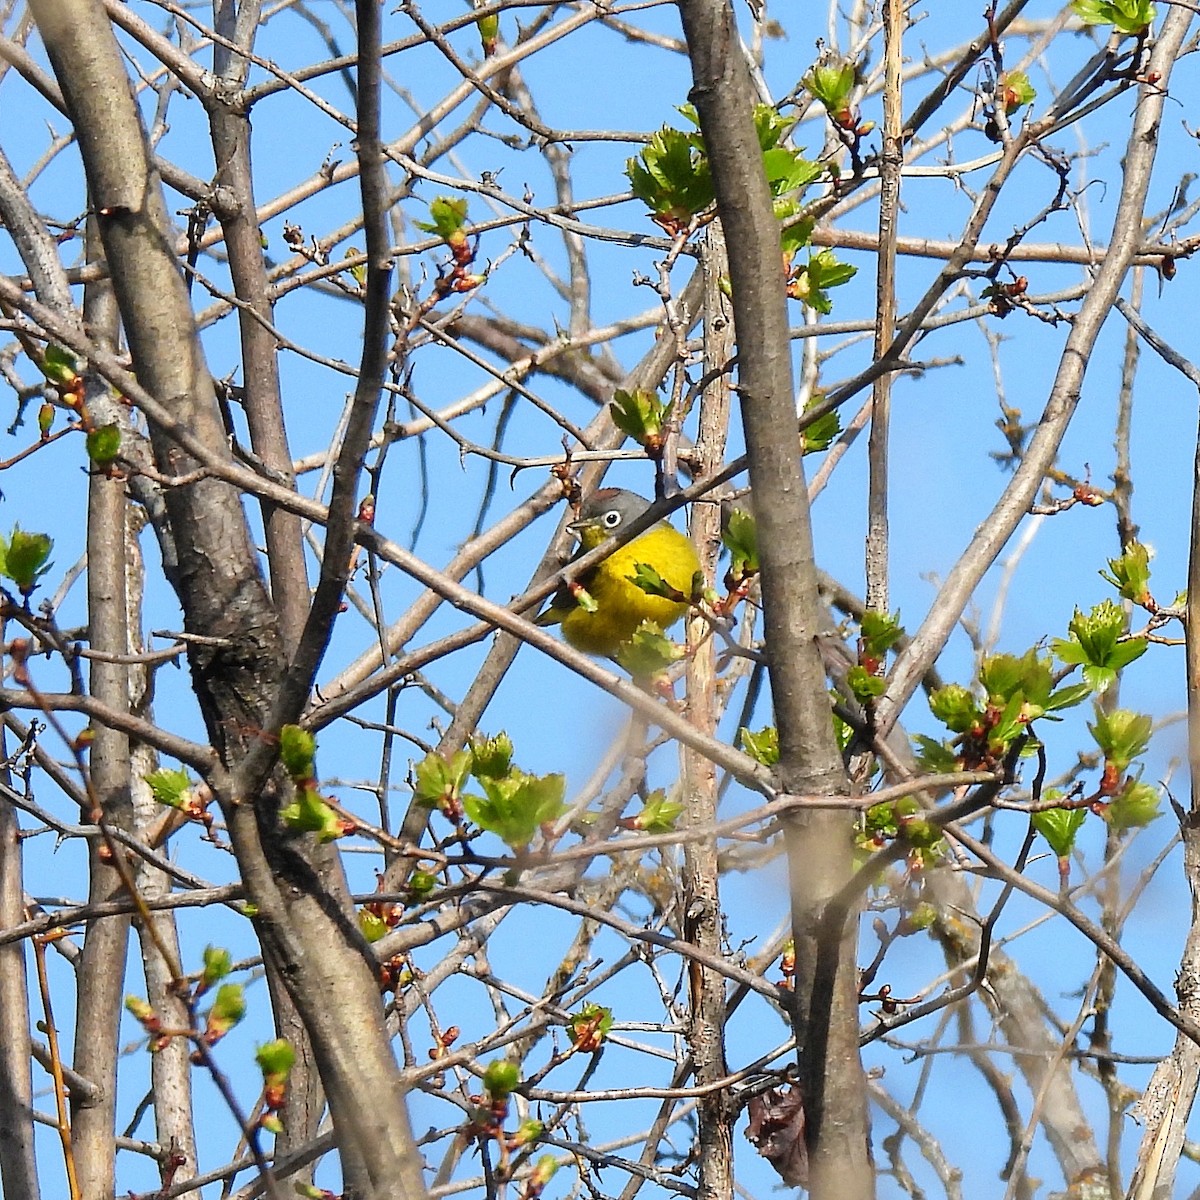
739,534
514,804
588,1028
308,812
641,415
1132,17
1130,575
878,633
906,820
1015,91
1125,802
649,652
1015,693
1059,826
673,178
1098,644
658,815
820,433
447,219
24,558
762,746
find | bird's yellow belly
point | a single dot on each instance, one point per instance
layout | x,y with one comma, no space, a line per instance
621,606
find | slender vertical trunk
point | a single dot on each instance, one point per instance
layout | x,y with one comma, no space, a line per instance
818,843
100,975
18,1163
703,922
170,1067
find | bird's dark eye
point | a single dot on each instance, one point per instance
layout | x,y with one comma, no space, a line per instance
611,519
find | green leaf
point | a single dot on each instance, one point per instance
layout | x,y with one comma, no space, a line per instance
1015,90
810,282
1130,574
658,814
880,632
739,533
1059,827
788,172
1009,725
514,808
1004,676
228,1009
529,1132
903,818
638,414
1098,641
1126,16
59,366
842,730
276,1059
651,582
1098,679
1136,805
491,756
23,558
956,707
448,216
308,813
831,82
794,235
1130,649
865,685
937,757
671,177
104,444
297,751
819,434
421,883
1072,694
921,917
439,781
371,925
218,962
648,652
500,1078
769,123
588,1028
140,1010
762,746
584,599
882,820
543,1171
170,787
922,834
1122,735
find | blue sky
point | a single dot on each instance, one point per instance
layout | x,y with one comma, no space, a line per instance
945,483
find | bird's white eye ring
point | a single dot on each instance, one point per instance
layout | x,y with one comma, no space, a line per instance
611,519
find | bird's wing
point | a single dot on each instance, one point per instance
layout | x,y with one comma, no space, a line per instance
561,603
554,612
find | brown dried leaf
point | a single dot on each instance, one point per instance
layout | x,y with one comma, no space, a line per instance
776,1130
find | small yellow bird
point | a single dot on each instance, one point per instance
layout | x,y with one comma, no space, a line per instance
620,604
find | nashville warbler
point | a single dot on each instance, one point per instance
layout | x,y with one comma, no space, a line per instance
618,605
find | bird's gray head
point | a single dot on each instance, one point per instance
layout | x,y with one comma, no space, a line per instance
609,510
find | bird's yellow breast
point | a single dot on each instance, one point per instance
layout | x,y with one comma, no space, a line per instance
621,606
